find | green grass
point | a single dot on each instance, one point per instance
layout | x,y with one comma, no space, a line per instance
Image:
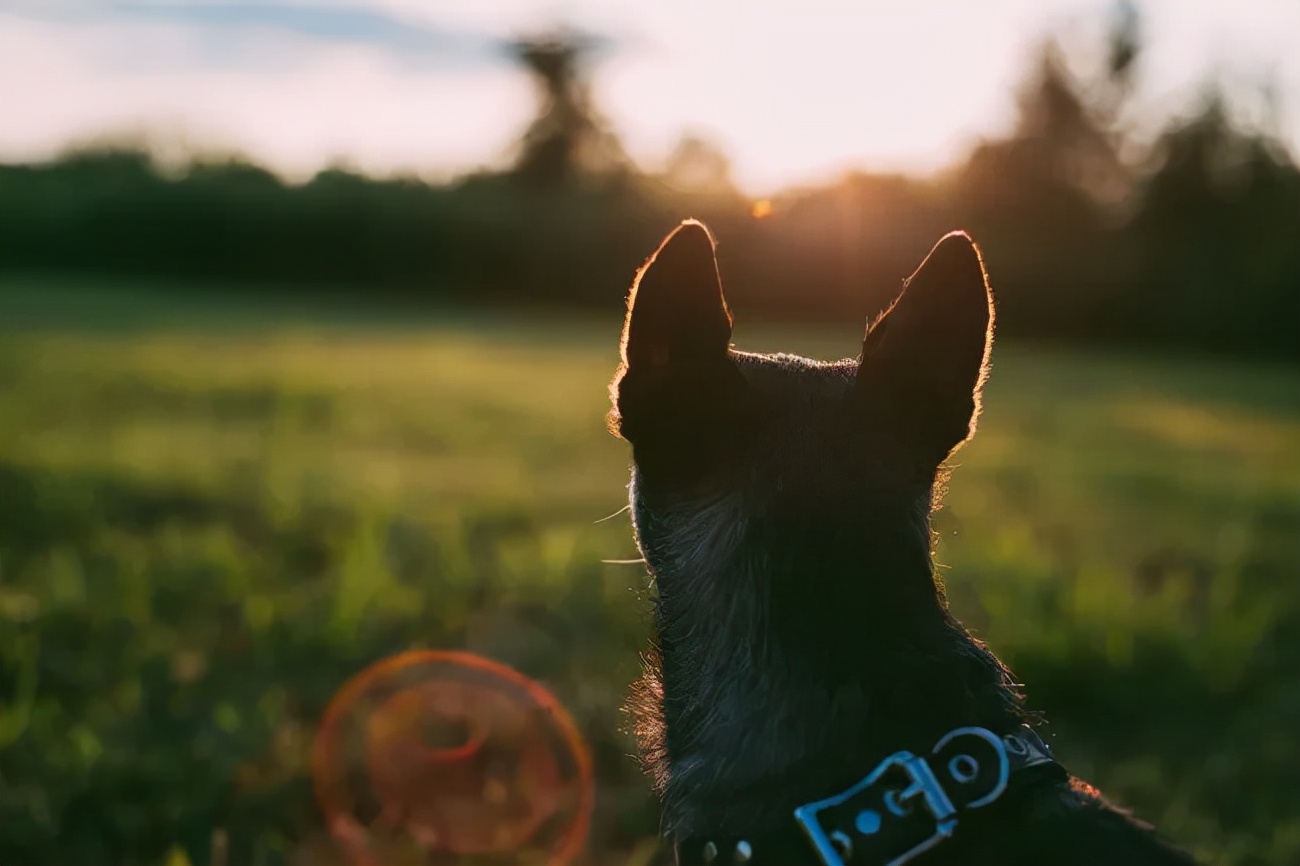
213,512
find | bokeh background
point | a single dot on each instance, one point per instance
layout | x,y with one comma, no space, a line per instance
307,311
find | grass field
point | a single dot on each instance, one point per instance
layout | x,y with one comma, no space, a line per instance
213,513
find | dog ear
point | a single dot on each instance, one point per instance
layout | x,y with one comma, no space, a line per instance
676,336
925,359
676,313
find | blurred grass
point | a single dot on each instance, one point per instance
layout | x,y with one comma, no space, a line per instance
212,515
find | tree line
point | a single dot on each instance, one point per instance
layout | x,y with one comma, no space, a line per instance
1193,244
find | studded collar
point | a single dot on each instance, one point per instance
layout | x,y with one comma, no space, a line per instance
904,807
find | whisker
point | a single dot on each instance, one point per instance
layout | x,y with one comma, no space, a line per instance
623,561
612,516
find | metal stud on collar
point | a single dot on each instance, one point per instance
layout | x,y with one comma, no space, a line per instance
742,853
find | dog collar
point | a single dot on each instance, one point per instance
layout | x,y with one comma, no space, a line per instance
907,805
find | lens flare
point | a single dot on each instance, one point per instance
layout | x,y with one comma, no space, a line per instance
444,756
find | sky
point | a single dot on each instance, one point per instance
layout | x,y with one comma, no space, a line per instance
793,92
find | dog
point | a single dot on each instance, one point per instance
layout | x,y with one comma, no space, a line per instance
809,698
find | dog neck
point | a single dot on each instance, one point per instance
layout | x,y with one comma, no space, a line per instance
765,692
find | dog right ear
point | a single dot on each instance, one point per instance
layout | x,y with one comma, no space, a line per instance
925,360
676,339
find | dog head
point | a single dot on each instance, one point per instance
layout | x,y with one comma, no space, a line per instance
782,505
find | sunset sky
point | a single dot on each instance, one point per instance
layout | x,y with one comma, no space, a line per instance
791,91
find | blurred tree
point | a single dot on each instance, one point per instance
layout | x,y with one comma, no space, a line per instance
1125,41
698,166
1063,161
568,138
1218,231
1062,158
1050,196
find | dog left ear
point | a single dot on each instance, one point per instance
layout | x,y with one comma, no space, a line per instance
676,314
925,359
675,363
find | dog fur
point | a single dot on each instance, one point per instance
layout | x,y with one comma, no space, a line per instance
783,507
